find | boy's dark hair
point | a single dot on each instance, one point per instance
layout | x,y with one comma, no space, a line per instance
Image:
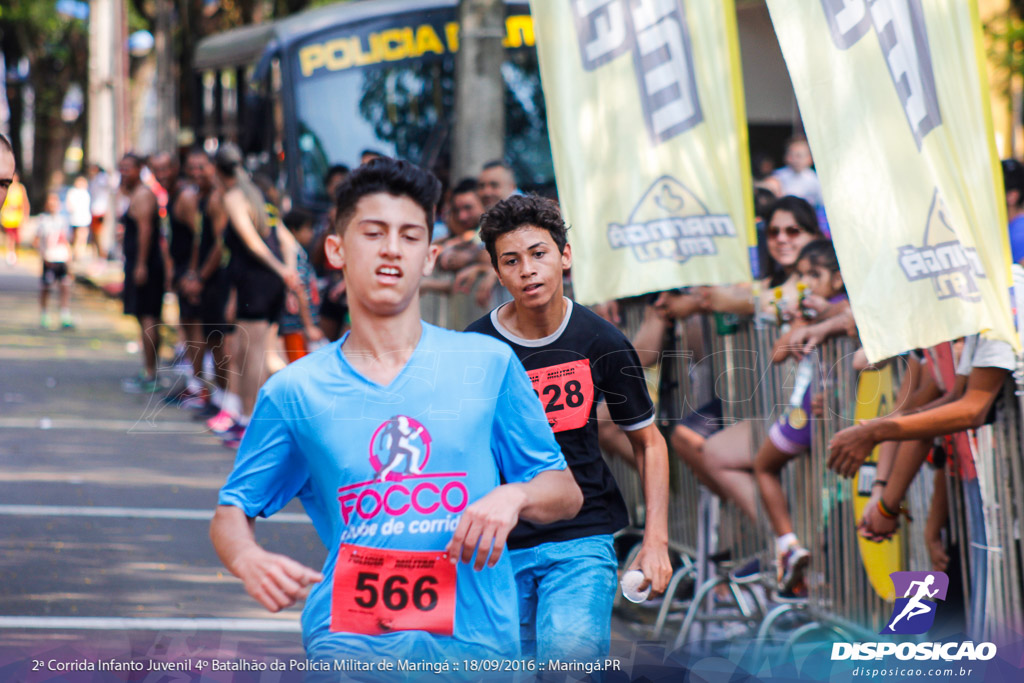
388,176
465,186
296,219
516,212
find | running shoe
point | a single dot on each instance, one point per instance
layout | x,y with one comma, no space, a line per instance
232,438
44,321
221,422
182,397
67,323
748,573
792,565
140,385
796,594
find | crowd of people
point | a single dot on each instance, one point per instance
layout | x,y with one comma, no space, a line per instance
425,454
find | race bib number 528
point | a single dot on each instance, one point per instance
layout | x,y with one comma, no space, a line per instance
377,590
566,392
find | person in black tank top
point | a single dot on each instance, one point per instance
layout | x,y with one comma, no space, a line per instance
145,268
208,284
179,222
259,277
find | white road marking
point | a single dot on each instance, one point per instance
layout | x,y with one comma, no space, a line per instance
132,513
150,624
140,426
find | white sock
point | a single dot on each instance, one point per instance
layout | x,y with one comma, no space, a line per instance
65,313
217,396
194,385
783,542
232,403
243,420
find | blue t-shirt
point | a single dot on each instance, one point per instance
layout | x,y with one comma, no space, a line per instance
392,467
1017,239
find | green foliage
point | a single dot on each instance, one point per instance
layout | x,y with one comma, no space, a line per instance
1005,46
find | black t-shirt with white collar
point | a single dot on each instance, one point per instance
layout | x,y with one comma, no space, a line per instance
585,360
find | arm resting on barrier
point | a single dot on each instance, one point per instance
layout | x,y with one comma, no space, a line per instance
729,299
651,455
850,447
275,581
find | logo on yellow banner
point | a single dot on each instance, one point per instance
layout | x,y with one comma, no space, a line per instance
670,222
656,32
952,267
903,37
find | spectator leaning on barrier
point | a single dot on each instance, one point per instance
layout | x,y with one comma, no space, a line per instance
981,372
723,458
566,572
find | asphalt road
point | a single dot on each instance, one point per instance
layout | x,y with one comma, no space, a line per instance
105,499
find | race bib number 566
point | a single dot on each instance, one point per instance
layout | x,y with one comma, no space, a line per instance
377,590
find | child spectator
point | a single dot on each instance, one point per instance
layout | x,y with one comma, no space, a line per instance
52,242
300,318
790,436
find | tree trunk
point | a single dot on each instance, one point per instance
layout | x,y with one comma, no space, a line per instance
479,91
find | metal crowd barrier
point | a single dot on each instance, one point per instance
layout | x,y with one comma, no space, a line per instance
736,367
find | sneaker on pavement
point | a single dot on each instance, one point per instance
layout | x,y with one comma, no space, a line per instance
221,422
44,321
792,565
140,385
233,436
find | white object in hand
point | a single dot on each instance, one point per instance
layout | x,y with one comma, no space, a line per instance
630,584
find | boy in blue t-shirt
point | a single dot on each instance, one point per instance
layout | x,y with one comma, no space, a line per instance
412,447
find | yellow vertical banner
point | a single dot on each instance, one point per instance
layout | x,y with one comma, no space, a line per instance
895,103
648,132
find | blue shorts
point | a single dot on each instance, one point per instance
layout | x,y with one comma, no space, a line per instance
566,589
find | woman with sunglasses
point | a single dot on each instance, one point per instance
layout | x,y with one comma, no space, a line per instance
723,458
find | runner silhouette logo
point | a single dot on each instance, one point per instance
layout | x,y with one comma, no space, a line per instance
914,613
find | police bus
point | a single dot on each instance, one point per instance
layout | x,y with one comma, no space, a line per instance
316,89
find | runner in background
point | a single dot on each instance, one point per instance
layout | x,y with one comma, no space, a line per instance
180,221
334,420
13,212
206,284
146,269
8,169
259,277
566,572
52,232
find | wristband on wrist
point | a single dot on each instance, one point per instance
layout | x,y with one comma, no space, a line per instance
878,482
886,512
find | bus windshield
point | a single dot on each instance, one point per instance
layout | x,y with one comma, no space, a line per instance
405,110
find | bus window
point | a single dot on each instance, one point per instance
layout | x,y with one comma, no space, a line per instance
403,109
